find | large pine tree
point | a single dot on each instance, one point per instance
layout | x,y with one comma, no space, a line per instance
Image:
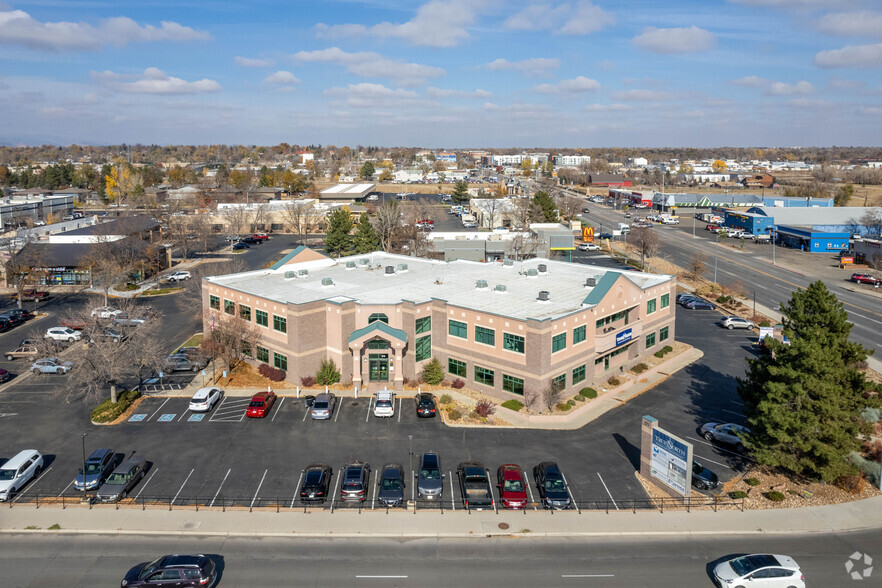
803,400
366,238
338,240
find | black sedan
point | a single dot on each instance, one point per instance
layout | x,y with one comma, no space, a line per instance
316,482
240,246
425,405
391,485
697,304
552,485
703,478
173,570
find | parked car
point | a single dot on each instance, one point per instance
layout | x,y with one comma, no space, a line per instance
735,322
26,351
474,485
241,246
62,334
105,312
772,571
354,481
589,247
512,487
260,236
13,319
251,241
391,483
173,570
5,376
179,276
863,278
205,398
51,365
703,478
30,296
22,314
425,405
685,296
726,433
193,354
73,323
261,404
121,481
384,404
712,227
697,304
429,478
182,363
18,471
5,324
125,319
99,465
316,482
553,491
109,335
323,406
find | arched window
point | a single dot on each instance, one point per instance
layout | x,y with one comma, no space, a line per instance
378,316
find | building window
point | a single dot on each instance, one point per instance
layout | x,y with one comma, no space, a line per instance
245,312
378,344
378,316
665,300
579,334
650,306
560,382
261,318
229,307
485,336
650,340
558,342
246,348
512,384
423,325
262,354
579,374
612,318
663,334
483,376
214,302
512,342
458,329
280,324
424,348
280,361
457,368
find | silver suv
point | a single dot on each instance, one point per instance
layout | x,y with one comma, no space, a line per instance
430,480
735,322
354,482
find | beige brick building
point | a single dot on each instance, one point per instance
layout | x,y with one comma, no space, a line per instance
502,327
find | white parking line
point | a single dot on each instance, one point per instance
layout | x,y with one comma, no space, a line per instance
258,487
715,446
230,410
297,488
399,409
182,486
412,487
66,487
607,491
738,402
334,490
741,414
33,483
306,414
529,489
452,493
278,408
219,487
158,409
144,485
569,491
374,499
183,414
368,415
338,406
712,461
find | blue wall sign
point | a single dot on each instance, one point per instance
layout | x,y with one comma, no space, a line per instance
623,337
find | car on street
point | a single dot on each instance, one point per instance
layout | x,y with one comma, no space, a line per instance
99,465
512,488
697,304
62,334
605,236
589,247
261,404
384,403
73,323
179,276
125,319
105,312
51,365
553,490
188,571
703,478
735,322
18,471
241,246
861,278
430,479
425,405
391,485
354,481
205,398
316,482
627,215
323,406
25,351
182,363
121,481
725,433
766,570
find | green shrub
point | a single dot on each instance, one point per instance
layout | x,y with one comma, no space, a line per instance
765,324
752,481
659,354
640,368
571,402
776,496
667,348
614,381
738,494
723,299
563,407
588,392
454,415
432,372
579,398
514,405
107,411
446,399
328,373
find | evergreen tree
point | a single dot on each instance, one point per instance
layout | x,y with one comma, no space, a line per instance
366,238
367,171
546,206
803,401
460,193
432,372
338,240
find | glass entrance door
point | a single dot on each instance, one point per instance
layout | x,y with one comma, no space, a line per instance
378,364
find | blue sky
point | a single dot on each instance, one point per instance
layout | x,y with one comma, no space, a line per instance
442,73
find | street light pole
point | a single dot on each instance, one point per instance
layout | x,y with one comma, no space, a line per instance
85,490
693,223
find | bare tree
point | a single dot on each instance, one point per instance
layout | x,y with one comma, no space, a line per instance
24,267
490,206
696,267
873,221
230,339
387,223
301,218
199,225
523,247
525,212
551,394
646,241
569,206
191,297
235,219
181,233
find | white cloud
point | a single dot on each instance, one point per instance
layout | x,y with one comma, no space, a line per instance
582,19
445,93
372,65
154,81
750,82
575,85
641,95
615,107
674,41
809,103
19,28
437,23
586,19
782,89
281,77
859,56
251,62
796,4
537,17
538,66
606,65
865,23
869,110
374,95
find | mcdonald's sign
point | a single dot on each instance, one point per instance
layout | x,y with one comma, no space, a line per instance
588,234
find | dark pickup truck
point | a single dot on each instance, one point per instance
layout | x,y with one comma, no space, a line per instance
474,485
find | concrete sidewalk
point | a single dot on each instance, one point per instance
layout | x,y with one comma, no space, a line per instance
840,518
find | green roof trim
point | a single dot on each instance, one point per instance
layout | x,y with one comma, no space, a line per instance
600,290
297,251
378,326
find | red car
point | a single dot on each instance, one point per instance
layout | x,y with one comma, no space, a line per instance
712,227
512,489
261,404
260,236
863,279
73,323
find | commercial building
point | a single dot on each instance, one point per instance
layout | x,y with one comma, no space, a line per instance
27,206
347,193
508,328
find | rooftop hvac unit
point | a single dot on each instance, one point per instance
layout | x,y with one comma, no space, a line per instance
543,296
402,267
532,272
501,287
390,270
481,284
303,272
543,268
290,275
364,261
350,265
327,281
590,282
507,262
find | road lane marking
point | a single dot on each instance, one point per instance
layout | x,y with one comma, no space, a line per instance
587,576
210,504
182,486
607,491
278,408
258,488
380,577
158,409
144,485
297,488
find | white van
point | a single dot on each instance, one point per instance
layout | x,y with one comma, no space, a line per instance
624,228
18,471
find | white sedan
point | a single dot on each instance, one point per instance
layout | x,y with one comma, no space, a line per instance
768,571
588,247
62,334
105,312
205,399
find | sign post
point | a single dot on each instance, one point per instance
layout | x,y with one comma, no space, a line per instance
665,459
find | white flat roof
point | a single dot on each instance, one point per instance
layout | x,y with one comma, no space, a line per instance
425,280
350,189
